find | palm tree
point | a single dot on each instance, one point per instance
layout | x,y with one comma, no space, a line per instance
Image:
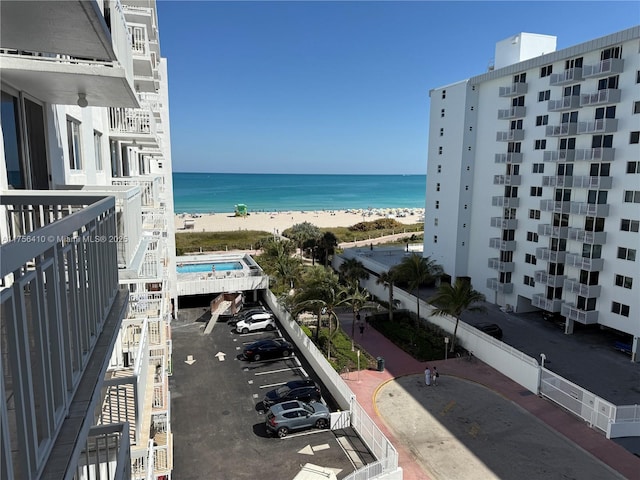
456,299
277,262
417,270
326,247
387,279
358,300
352,271
303,233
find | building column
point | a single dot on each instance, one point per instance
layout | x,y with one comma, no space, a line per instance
568,326
634,350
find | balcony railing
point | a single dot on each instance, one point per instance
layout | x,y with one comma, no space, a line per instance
553,231
549,304
584,263
602,97
559,155
513,90
557,181
568,76
561,130
136,124
494,284
605,67
507,179
586,317
504,245
564,103
597,154
591,209
546,254
513,112
151,187
107,450
572,285
584,236
509,202
504,223
602,125
554,206
496,264
510,136
585,181
58,268
508,158
548,279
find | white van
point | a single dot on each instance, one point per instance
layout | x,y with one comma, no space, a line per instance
257,321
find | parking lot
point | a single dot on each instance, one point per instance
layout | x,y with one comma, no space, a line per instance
217,413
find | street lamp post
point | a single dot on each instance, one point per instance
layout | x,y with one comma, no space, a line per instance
446,347
358,355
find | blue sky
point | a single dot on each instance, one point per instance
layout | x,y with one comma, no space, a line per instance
336,87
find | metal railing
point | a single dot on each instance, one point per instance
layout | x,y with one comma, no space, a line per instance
106,454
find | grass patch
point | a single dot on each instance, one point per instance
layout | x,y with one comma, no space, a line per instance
195,242
424,344
342,357
345,234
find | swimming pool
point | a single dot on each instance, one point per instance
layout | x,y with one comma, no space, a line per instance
208,267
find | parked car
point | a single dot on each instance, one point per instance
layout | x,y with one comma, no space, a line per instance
246,314
490,329
285,417
258,321
304,390
269,348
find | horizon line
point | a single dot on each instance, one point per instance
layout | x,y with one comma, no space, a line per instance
288,173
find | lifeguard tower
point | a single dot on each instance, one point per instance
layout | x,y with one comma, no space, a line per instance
241,210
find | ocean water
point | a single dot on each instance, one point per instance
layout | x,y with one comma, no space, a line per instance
220,192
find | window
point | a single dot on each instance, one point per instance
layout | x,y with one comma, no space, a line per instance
534,214
509,213
529,258
515,125
607,83
633,167
573,63
634,137
97,143
73,140
435,222
442,113
517,101
520,78
594,224
560,219
546,71
568,143
542,120
632,196
529,281
435,239
555,268
624,282
627,225
587,304
637,76
589,278
562,195
572,91
606,112
505,277
439,168
444,94
598,197
510,192
442,132
437,204
439,150
636,107
532,237
544,95
538,168
602,141
627,254
620,309
437,187
536,191
508,235
514,147
506,256
540,144
611,52
591,251
600,169
569,117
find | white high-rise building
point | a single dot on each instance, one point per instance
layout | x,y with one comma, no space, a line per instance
88,249
533,180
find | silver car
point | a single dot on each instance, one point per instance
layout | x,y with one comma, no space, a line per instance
295,415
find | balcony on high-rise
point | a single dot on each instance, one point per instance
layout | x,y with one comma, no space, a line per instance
586,317
511,157
562,130
496,264
570,75
557,181
564,155
94,65
565,103
540,300
586,181
513,112
595,154
601,97
507,180
610,66
139,124
504,245
507,202
510,136
152,189
519,88
496,285
547,230
504,223
584,263
601,125
544,278
554,206
586,236
546,254
573,285
591,209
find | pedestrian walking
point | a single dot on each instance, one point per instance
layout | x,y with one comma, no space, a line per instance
427,376
434,376
361,326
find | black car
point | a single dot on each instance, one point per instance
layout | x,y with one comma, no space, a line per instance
490,329
304,390
269,348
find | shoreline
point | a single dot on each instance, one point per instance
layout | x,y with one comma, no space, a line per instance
277,222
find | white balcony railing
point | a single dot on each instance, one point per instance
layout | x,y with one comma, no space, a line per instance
605,67
601,97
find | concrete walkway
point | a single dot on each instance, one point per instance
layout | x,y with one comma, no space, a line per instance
470,377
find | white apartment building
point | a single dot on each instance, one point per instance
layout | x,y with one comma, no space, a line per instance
88,249
533,180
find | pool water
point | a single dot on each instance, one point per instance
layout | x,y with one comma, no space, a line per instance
208,267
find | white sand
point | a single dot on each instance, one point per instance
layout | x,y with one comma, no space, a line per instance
278,222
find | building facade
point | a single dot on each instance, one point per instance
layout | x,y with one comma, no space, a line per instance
533,180
88,248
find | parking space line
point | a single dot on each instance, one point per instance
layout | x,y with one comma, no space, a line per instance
272,385
276,371
305,433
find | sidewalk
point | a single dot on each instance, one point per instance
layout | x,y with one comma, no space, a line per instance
397,364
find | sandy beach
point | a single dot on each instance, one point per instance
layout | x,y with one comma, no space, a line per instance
277,222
